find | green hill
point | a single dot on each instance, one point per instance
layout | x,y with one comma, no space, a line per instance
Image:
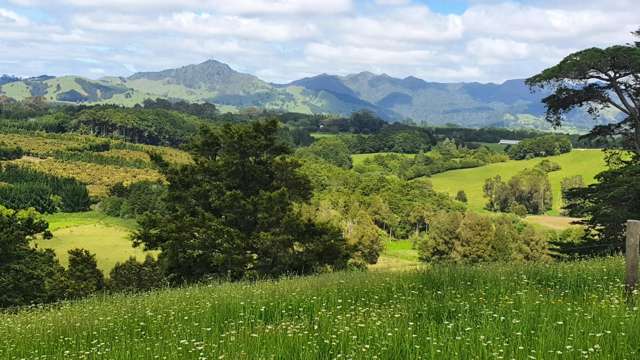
587,163
510,104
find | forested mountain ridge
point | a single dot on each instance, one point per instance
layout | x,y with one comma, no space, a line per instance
510,104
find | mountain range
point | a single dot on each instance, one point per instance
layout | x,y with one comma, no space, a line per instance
510,104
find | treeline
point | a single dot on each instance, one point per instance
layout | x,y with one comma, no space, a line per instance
540,146
23,188
154,126
445,156
33,276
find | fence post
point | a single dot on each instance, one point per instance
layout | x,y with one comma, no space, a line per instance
631,254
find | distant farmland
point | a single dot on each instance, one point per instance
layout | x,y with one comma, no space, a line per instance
587,163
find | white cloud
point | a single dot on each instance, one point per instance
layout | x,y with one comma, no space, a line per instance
282,40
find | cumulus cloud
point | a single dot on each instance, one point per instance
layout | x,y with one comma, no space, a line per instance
281,40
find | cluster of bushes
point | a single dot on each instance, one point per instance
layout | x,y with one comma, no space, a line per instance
540,146
29,275
133,200
471,238
24,188
445,156
528,192
8,152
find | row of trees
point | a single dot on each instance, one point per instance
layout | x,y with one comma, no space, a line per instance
470,238
541,146
528,192
25,188
445,156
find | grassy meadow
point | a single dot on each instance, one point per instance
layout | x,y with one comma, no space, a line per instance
533,311
105,236
587,163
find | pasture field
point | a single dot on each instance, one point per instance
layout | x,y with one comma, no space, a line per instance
495,311
105,236
587,163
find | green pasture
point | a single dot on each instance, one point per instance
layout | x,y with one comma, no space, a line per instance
587,163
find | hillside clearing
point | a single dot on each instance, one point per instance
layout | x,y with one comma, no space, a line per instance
107,237
539,311
586,163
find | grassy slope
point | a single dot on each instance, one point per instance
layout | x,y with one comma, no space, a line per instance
539,311
587,163
107,237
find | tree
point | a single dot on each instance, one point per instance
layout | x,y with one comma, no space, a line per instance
609,202
27,275
83,276
333,150
529,188
231,213
597,79
132,275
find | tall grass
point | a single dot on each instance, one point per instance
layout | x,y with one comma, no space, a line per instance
536,311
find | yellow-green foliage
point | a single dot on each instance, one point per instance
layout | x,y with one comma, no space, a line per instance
567,310
99,178
587,163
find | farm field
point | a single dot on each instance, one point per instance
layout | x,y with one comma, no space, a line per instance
531,311
104,236
587,163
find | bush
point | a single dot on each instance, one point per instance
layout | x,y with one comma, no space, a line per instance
548,166
133,276
462,196
472,238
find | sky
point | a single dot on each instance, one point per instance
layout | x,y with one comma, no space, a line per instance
284,40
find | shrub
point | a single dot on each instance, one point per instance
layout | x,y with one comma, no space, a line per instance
548,166
462,196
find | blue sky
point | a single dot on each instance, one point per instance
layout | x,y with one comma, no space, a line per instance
282,40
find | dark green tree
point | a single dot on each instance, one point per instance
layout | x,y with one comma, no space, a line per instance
462,196
27,275
231,213
132,275
597,79
83,276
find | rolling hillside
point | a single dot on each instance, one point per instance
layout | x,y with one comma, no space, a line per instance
587,163
510,104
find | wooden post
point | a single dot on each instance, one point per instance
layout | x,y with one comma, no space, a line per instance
631,254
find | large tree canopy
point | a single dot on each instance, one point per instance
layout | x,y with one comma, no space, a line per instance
596,79
232,212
